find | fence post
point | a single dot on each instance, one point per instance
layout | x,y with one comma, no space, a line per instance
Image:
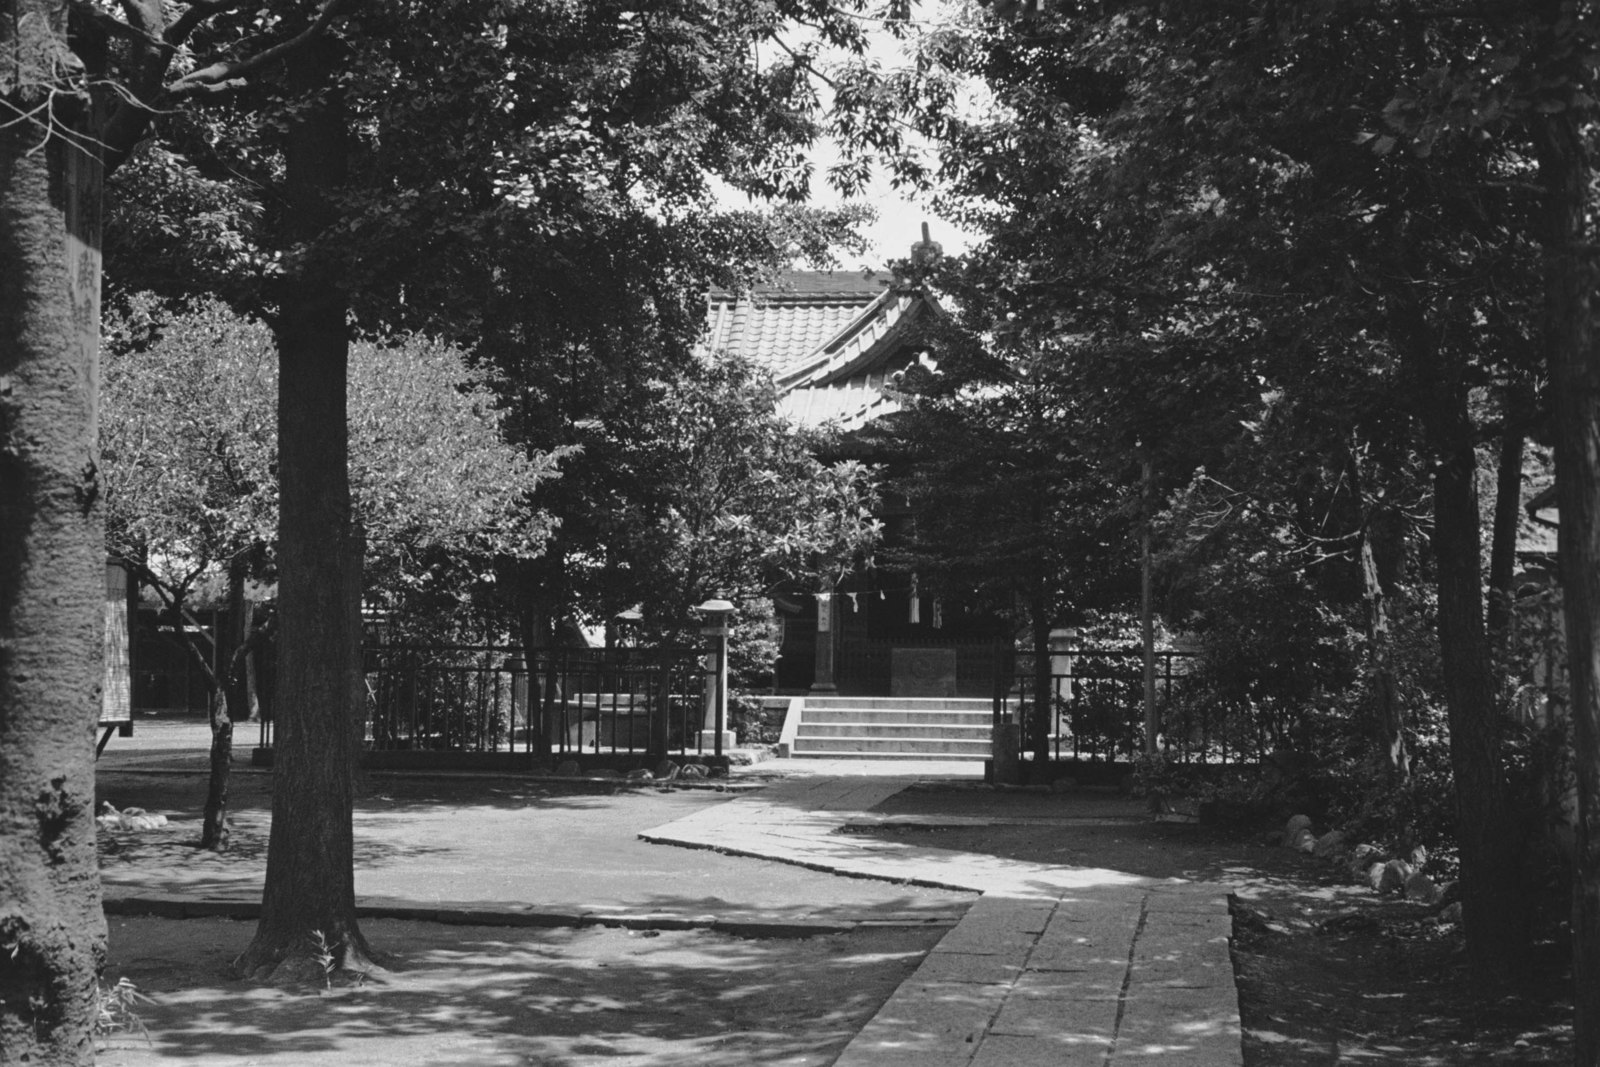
1005,740
660,710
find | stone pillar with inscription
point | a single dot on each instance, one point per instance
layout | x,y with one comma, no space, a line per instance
826,644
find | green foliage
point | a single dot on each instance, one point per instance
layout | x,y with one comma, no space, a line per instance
544,199
1540,746
186,440
171,228
116,1009
752,722
753,642
701,490
1419,810
1009,505
188,446
1232,275
559,138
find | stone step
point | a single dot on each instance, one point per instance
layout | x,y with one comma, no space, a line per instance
911,748
897,715
908,731
951,757
901,703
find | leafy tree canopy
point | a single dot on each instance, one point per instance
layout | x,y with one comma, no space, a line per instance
188,443
703,490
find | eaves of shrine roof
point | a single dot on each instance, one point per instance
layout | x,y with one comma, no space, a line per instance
830,340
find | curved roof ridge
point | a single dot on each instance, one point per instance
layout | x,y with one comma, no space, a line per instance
809,285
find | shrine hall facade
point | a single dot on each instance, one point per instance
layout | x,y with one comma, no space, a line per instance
834,342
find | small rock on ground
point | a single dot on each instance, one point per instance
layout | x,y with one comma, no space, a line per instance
1362,857
1420,887
1392,877
1329,845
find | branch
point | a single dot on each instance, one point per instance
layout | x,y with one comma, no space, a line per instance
174,604
127,124
198,12
145,17
194,648
222,75
805,62
113,26
258,638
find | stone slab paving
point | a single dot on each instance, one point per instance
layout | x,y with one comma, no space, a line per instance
1052,965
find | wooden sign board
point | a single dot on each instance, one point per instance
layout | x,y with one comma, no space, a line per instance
116,702
922,672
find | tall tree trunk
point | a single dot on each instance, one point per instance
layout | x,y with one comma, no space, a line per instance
1382,556
1387,722
1503,544
52,552
1575,386
538,639
250,696
1493,904
214,820
1494,913
309,895
229,701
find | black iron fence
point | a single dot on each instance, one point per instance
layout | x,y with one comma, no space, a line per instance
654,700
487,698
1093,708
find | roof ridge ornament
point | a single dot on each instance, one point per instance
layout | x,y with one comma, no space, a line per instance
927,251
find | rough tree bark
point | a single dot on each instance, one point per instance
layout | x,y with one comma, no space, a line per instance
229,703
1493,894
1382,556
537,626
1574,365
310,884
52,548
1494,909
1503,542
1379,584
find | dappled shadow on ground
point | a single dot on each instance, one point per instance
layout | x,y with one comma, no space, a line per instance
491,843
168,860
1326,971
1082,828
1383,984
1142,848
470,995
250,788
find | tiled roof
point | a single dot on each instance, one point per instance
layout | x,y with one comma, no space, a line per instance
849,404
811,284
853,347
1536,534
824,336
783,322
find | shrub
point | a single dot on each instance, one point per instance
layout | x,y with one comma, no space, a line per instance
753,723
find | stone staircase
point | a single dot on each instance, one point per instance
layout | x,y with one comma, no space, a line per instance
889,728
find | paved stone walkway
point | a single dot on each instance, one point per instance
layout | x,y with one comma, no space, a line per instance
1053,965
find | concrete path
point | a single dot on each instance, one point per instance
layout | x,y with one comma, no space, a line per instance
1052,965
